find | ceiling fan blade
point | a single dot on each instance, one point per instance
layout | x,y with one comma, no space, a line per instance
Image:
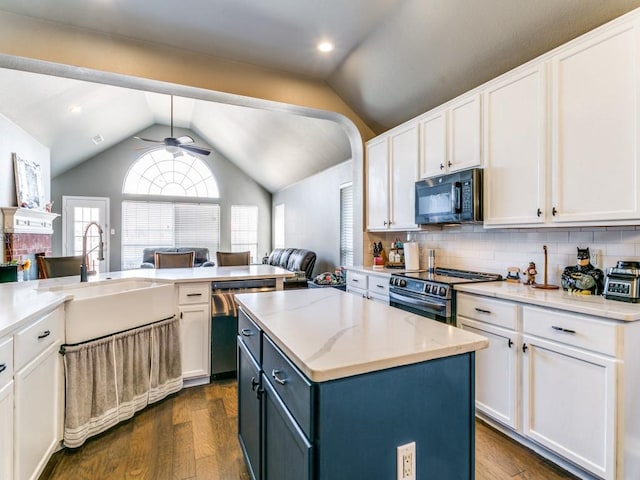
184,139
195,149
149,140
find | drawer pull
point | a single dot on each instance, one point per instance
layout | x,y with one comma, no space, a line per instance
560,329
44,334
274,375
380,286
246,332
355,280
3,367
254,383
480,310
194,294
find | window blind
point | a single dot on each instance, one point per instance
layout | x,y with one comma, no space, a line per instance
244,229
346,224
167,224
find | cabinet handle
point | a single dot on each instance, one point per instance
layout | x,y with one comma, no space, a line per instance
442,166
554,211
510,342
3,367
380,286
254,383
449,164
560,329
246,332
539,212
194,294
480,310
180,315
259,392
274,375
524,348
355,280
384,223
44,334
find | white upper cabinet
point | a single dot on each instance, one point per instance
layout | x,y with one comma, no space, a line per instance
433,143
595,106
515,148
464,118
392,170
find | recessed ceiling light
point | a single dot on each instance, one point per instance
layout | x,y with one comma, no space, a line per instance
75,109
97,139
325,46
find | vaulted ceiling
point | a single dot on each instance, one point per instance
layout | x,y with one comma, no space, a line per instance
393,60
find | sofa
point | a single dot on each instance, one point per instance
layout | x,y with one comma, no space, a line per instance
201,258
297,260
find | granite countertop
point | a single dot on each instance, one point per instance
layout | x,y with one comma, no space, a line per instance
595,305
329,334
22,302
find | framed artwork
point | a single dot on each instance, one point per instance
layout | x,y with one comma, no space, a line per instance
28,183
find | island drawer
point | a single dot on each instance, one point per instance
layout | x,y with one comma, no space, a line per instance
189,293
6,361
35,339
571,328
250,334
291,385
496,312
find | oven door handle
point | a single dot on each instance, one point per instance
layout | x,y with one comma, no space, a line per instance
413,301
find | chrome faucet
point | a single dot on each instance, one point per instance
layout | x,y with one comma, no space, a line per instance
100,246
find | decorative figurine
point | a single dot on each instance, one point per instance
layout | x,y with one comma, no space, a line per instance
584,277
531,273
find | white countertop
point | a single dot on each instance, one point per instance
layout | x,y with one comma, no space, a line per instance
22,302
595,305
329,334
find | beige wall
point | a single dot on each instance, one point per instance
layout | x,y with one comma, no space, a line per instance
36,39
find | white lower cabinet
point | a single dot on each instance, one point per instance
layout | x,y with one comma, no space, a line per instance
38,395
369,285
194,311
6,408
557,379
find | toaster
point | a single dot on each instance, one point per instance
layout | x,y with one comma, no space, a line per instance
623,282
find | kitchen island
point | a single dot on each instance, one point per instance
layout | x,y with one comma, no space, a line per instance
330,384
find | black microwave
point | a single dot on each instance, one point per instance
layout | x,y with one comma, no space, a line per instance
452,198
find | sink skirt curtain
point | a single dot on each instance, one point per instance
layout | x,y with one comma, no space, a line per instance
109,379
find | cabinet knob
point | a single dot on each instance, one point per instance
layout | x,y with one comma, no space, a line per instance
442,166
449,164
524,348
274,375
510,343
554,211
384,223
539,212
254,383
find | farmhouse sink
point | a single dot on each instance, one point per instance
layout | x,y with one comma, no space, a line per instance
103,308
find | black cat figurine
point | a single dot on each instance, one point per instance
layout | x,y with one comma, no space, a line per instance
583,277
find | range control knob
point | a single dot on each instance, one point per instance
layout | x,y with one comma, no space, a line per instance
427,288
403,283
442,292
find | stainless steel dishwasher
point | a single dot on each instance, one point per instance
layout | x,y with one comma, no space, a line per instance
224,321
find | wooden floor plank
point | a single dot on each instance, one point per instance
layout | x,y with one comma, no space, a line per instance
192,435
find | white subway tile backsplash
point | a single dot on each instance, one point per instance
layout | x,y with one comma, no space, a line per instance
620,249
582,238
608,236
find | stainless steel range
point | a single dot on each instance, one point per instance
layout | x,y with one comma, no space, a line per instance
431,294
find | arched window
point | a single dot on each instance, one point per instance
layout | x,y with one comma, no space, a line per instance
163,172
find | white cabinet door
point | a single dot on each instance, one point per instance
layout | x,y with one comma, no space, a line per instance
6,431
595,148
515,149
403,175
569,403
378,184
38,409
464,133
195,321
497,368
433,144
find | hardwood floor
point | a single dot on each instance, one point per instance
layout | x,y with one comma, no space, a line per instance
193,435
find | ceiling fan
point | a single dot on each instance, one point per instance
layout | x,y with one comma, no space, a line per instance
185,142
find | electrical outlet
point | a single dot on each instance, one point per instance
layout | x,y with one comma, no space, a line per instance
406,461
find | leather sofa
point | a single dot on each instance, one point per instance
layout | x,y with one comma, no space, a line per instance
297,260
201,255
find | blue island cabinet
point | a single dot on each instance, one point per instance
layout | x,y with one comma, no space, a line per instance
293,429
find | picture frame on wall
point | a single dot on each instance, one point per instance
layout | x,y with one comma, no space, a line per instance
29,190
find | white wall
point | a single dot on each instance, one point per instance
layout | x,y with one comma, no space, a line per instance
312,214
474,248
14,139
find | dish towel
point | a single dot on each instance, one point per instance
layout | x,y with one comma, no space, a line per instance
109,379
